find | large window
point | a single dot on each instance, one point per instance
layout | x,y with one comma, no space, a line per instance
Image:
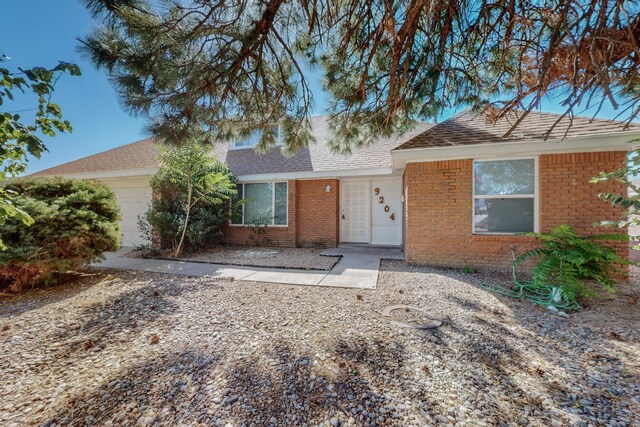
504,196
265,203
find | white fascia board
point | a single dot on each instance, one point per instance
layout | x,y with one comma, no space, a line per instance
109,174
330,174
615,142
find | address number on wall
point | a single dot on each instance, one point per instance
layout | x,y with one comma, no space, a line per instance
392,217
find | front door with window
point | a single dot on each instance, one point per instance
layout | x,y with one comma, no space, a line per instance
355,220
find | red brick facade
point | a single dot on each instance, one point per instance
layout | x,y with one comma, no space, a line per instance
317,213
438,208
312,219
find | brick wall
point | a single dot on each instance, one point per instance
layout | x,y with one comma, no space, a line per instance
438,208
318,213
312,219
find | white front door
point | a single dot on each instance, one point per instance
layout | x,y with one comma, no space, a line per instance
386,211
355,220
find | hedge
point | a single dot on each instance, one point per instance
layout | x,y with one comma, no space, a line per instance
75,222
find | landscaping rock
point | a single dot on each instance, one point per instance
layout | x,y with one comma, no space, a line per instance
247,353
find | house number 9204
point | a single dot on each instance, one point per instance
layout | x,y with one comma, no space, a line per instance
392,217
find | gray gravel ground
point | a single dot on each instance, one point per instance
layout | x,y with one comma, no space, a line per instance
257,256
131,348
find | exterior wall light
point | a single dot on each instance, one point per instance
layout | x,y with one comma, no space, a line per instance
327,188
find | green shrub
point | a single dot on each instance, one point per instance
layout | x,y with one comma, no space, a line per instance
566,260
191,204
75,221
164,221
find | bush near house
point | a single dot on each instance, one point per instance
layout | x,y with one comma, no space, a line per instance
75,221
191,204
566,260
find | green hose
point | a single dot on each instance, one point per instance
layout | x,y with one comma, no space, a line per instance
544,295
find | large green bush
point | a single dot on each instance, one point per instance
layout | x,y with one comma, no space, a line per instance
75,221
191,205
566,260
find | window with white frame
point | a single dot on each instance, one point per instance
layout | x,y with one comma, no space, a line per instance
504,196
265,203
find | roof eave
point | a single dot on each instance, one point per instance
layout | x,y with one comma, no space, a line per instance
604,142
121,173
322,174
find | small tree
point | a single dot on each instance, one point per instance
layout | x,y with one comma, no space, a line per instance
189,186
20,138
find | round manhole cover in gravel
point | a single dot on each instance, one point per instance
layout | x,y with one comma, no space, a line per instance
408,316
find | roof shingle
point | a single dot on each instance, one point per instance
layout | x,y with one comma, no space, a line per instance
137,155
318,157
472,127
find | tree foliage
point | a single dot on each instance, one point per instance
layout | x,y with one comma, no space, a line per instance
20,138
630,202
77,221
565,260
192,199
229,68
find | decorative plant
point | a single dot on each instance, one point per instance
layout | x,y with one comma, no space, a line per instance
76,221
191,206
566,260
258,228
20,137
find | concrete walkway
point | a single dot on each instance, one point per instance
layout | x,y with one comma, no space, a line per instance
358,268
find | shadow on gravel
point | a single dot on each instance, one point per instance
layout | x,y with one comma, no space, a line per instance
69,285
123,314
163,388
469,305
278,387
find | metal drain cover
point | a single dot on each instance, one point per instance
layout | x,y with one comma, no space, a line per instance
415,317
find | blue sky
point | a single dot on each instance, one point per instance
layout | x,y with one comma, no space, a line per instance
43,32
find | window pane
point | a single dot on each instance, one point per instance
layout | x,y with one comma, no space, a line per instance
281,204
503,215
250,140
254,138
505,177
257,210
236,209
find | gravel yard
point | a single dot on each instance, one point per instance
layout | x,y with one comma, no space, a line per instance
257,256
135,348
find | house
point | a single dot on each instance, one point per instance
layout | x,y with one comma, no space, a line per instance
457,193
634,231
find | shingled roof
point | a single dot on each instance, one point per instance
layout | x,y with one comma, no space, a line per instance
137,155
315,158
318,157
472,127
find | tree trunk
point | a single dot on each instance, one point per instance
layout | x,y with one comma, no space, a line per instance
186,223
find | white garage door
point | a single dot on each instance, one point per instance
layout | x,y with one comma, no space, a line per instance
134,196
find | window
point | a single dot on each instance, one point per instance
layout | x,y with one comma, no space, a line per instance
266,203
254,137
504,196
